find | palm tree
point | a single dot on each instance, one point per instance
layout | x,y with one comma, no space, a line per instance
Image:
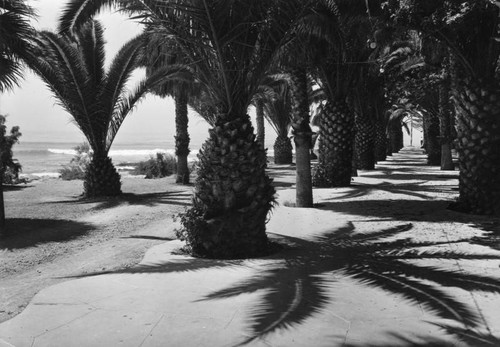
278,114
229,45
340,30
160,54
72,66
15,34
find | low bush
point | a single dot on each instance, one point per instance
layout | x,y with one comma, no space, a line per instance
157,167
11,166
78,164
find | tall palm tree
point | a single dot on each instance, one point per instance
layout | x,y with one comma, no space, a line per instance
160,54
72,66
229,45
15,34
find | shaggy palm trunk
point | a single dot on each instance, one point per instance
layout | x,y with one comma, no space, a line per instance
232,195
478,147
394,133
336,126
101,178
261,132
365,142
182,137
302,136
445,126
380,142
431,141
283,150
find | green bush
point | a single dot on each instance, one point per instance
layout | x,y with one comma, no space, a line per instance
157,167
11,166
78,164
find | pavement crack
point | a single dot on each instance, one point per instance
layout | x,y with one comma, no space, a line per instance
151,331
63,325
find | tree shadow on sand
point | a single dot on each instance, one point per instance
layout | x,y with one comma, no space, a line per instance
26,232
297,282
146,199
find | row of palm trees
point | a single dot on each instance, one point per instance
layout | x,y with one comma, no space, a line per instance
220,57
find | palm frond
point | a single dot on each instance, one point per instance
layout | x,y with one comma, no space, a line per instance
126,104
15,35
78,12
123,65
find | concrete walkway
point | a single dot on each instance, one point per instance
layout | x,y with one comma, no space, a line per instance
381,263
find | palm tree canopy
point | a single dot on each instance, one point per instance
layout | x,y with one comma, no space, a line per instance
73,68
231,43
15,33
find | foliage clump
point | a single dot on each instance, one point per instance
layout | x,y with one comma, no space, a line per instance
162,165
10,167
78,164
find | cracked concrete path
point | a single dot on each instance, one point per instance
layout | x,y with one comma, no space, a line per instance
322,289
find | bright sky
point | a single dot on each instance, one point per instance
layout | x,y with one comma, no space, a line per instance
32,107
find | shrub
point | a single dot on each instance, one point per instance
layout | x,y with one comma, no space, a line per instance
11,166
78,164
157,167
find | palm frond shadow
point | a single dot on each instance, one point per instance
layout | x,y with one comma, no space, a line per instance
146,199
298,288
362,190
470,337
181,265
491,237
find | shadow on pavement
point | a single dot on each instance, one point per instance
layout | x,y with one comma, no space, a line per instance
297,283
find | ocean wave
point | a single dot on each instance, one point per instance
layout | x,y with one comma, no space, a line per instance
40,175
62,151
139,152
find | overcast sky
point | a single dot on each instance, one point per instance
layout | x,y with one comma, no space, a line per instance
32,107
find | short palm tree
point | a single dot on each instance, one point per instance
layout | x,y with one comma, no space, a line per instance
340,30
72,66
278,114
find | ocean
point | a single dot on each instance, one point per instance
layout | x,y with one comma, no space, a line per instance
45,159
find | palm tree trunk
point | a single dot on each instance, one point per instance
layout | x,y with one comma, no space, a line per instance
302,135
182,137
478,146
259,112
283,150
232,195
101,178
365,141
380,142
431,142
336,139
445,125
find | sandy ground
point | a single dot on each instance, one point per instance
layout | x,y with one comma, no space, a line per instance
56,234
59,235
